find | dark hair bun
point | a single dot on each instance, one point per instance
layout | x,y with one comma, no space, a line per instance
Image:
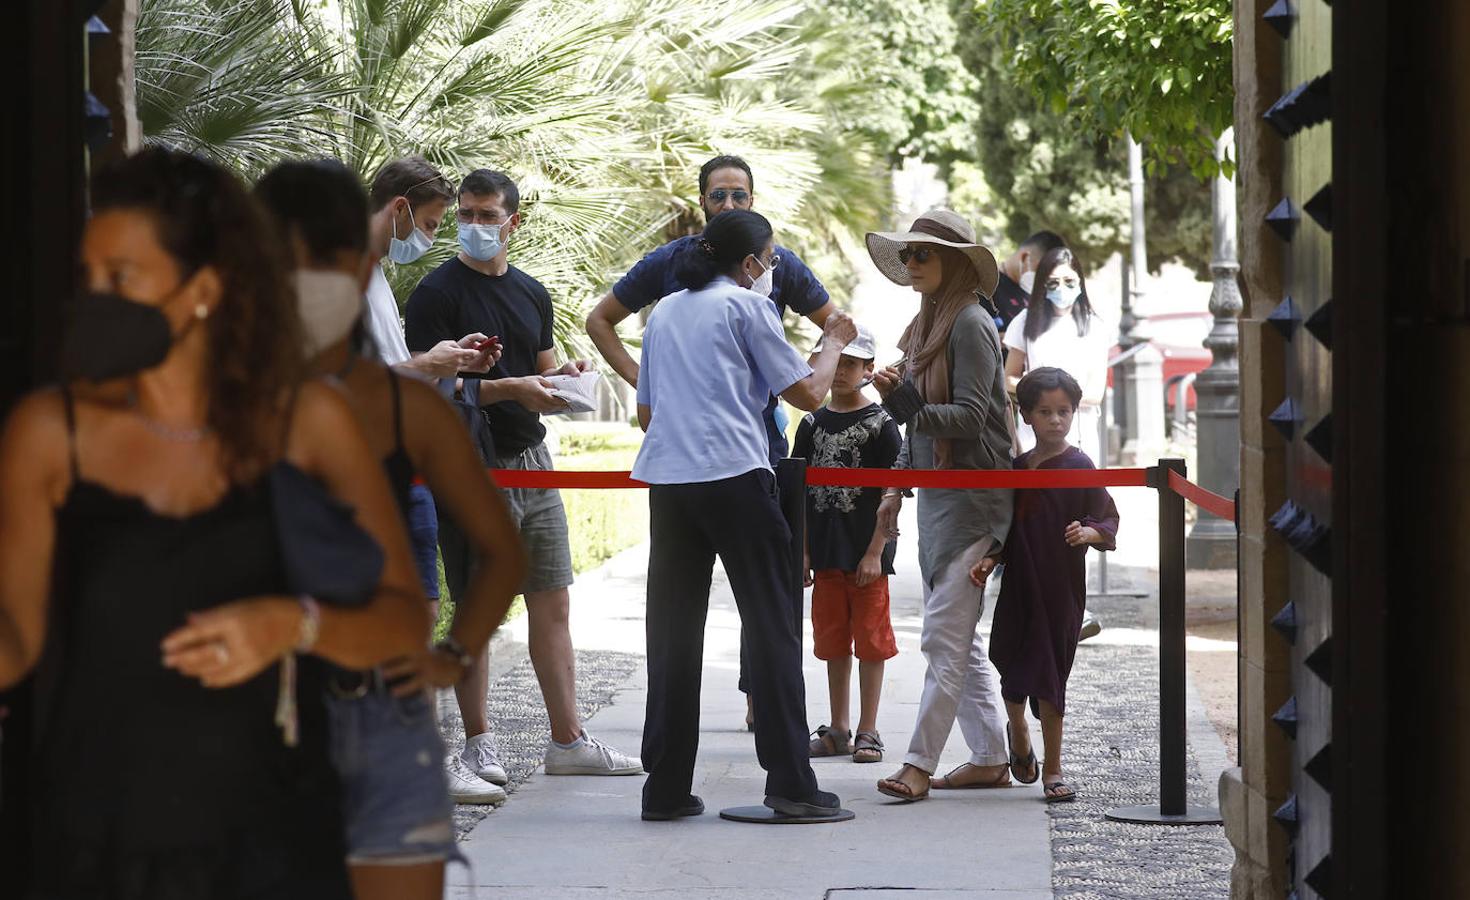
728,238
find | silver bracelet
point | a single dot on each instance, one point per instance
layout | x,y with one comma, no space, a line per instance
311,624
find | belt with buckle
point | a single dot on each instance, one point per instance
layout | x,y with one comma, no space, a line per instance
353,684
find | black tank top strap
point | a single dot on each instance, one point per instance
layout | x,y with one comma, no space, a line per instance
68,403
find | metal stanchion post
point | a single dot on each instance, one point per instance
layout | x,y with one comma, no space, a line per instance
1173,807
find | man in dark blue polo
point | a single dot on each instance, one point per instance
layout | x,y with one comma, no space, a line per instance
725,183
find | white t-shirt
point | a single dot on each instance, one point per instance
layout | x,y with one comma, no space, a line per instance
384,325
1083,356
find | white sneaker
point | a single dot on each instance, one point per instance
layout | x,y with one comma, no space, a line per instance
589,756
467,787
482,755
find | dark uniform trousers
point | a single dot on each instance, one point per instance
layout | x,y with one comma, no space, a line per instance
740,520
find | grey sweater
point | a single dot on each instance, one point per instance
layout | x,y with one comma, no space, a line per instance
975,423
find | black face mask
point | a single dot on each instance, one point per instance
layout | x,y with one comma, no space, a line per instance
110,336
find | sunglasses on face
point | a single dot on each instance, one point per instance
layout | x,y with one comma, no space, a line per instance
720,195
920,256
478,217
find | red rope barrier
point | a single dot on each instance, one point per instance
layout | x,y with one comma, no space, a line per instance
978,478
1206,500
886,478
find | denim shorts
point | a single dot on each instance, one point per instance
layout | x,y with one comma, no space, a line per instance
395,803
423,535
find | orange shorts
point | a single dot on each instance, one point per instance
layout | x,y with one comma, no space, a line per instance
851,621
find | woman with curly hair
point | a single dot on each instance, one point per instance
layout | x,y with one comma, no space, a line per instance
141,563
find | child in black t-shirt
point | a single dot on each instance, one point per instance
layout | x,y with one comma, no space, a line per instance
848,558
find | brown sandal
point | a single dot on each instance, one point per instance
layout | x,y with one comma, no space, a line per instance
826,742
868,748
892,787
948,783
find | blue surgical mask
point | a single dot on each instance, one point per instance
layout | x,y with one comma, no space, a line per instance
412,248
1062,297
482,242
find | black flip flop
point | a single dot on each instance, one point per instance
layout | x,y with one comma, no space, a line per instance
1017,762
1068,797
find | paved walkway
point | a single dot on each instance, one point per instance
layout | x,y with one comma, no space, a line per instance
575,837
581,837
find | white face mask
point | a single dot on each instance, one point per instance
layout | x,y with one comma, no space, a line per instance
763,284
412,248
1062,297
329,303
1027,281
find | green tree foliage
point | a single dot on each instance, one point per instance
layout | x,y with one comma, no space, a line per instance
920,99
1035,167
1158,69
603,112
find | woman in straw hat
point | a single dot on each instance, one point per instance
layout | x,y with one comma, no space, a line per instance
949,392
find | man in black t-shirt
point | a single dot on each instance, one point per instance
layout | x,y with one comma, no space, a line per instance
479,291
1017,273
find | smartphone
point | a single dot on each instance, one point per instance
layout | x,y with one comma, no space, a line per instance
492,341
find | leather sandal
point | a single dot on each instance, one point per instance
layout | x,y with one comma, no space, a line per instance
1059,792
867,748
1018,764
826,742
892,787
948,784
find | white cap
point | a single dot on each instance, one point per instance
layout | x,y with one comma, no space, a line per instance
862,347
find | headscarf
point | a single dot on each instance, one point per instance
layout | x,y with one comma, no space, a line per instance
925,342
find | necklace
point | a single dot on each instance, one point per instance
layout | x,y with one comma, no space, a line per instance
168,432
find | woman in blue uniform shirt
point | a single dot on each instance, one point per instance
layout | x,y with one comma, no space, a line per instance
712,354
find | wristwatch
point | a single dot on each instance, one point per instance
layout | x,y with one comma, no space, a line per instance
455,651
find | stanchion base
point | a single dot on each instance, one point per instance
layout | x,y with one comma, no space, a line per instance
763,815
1151,814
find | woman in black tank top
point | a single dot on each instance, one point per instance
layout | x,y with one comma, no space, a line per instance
140,570
414,432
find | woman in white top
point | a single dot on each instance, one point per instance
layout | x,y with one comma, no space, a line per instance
1059,328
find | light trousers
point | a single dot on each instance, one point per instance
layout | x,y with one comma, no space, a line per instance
959,682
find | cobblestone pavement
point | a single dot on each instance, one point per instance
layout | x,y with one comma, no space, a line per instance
1111,756
518,718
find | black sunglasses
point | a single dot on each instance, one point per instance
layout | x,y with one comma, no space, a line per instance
920,256
720,195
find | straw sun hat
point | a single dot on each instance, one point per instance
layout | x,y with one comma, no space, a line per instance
941,227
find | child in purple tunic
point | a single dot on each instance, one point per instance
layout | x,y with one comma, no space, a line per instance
1043,592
